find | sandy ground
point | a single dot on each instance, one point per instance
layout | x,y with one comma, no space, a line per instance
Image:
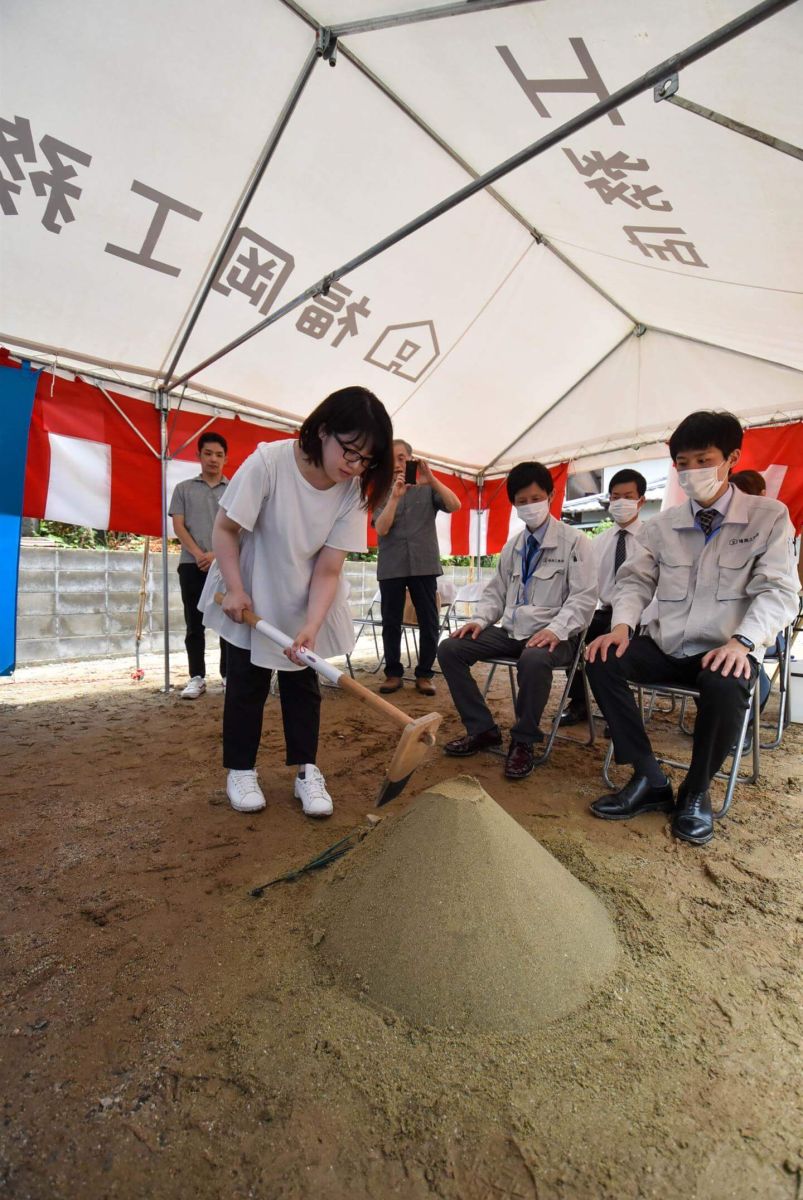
163,1034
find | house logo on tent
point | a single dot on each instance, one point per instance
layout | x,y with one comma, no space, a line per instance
407,350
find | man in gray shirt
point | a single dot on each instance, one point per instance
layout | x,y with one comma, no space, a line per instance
409,560
193,508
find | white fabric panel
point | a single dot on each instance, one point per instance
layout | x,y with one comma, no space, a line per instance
478,532
176,96
641,392
443,529
178,469
80,484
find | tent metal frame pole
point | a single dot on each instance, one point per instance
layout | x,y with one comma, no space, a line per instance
749,131
688,337
163,402
658,74
418,16
630,333
262,164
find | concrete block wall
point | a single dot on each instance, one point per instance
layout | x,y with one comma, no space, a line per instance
81,604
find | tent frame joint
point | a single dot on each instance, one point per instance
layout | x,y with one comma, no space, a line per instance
326,45
667,88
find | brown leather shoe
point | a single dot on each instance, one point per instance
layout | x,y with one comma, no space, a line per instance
519,762
472,742
425,686
391,684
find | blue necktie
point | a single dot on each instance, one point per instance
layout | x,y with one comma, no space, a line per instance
529,556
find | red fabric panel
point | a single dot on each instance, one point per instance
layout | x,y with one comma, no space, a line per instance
781,445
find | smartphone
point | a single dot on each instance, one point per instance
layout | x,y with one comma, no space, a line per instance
410,471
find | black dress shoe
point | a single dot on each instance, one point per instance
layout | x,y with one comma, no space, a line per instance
575,714
519,762
693,820
636,797
472,742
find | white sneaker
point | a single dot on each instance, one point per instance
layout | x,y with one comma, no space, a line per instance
195,688
311,791
244,792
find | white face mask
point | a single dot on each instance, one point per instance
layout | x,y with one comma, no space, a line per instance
533,515
623,511
701,483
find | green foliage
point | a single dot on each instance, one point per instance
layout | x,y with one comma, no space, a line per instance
603,525
78,537
465,560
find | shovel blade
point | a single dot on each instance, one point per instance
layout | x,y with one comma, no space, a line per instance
415,743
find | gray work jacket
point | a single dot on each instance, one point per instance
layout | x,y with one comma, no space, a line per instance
742,580
561,595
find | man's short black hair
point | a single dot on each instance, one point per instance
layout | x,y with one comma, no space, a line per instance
210,436
628,475
700,430
523,474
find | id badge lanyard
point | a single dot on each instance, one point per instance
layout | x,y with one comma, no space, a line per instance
526,575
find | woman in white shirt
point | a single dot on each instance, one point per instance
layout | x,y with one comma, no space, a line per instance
288,518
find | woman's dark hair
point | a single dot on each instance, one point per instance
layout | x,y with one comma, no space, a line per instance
526,473
206,439
355,411
700,430
628,475
750,482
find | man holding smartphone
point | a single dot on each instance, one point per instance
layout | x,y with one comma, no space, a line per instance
409,560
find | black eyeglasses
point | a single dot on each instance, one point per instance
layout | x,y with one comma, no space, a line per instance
353,456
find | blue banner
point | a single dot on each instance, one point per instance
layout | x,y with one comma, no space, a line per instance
17,391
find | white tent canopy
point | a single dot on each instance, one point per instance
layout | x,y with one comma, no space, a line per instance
647,265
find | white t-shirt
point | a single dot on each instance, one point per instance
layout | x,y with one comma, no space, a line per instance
286,522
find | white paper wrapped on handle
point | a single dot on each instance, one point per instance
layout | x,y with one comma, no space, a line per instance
307,656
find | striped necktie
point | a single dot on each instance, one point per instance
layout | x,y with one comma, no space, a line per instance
706,518
621,552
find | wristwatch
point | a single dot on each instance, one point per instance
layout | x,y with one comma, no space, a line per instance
744,641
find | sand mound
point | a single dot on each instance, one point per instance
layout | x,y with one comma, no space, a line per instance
452,914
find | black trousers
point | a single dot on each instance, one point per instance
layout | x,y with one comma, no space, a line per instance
720,708
191,580
424,595
247,688
534,669
600,623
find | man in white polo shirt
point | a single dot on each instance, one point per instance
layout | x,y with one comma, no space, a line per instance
193,508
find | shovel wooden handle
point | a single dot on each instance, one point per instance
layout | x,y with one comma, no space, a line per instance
341,678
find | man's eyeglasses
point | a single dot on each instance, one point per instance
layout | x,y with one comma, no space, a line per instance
353,456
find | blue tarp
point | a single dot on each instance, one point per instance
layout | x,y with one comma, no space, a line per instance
17,390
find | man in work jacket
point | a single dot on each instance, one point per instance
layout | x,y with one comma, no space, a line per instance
721,571
543,594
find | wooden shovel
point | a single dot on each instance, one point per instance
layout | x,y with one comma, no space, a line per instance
418,735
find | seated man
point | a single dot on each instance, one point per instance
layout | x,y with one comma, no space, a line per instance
721,570
543,593
626,492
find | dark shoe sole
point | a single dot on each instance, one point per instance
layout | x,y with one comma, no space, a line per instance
693,841
387,689
518,775
663,806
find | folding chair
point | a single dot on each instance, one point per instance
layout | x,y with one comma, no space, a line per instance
784,644
577,663
675,691
373,620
